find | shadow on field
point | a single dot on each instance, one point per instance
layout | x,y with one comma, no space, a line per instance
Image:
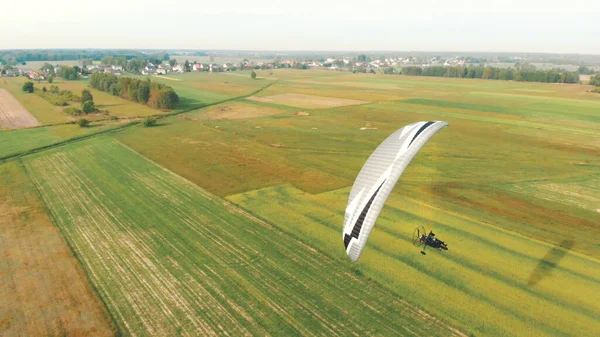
549,261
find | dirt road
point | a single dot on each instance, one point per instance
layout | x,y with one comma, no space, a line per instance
13,115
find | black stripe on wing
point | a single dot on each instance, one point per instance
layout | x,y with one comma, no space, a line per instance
361,218
425,126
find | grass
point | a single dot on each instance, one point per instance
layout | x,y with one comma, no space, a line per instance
169,258
18,141
199,88
509,183
510,186
482,284
44,290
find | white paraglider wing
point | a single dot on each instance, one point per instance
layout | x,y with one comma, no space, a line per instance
377,179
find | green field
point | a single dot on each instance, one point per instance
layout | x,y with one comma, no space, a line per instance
200,88
18,141
511,186
169,258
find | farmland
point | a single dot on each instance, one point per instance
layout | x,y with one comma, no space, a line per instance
12,114
44,290
510,184
227,219
42,110
14,142
170,258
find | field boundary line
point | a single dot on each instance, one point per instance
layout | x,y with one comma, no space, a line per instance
48,210
122,127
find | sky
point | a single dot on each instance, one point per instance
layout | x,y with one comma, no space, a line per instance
547,26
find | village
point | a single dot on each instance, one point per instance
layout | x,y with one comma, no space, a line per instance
362,63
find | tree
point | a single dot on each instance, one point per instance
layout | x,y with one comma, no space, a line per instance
488,73
172,62
187,67
135,65
362,58
47,68
155,61
86,62
50,79
28,87
168,99
518,76
505,74
82,122
253,74
44,89
88,107
583,70
144,92
149,121
595,80
86,96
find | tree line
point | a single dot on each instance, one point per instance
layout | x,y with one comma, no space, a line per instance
492,73
135,64
18,56
155,95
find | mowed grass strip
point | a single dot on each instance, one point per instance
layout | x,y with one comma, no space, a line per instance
306,101
169,258
491,281
43,290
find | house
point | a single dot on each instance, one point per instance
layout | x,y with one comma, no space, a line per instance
161,71
150,66
178,68
117,68
148,71
34,75
197,67
12,72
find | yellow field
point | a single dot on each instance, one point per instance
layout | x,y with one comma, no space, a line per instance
306,101
238,110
